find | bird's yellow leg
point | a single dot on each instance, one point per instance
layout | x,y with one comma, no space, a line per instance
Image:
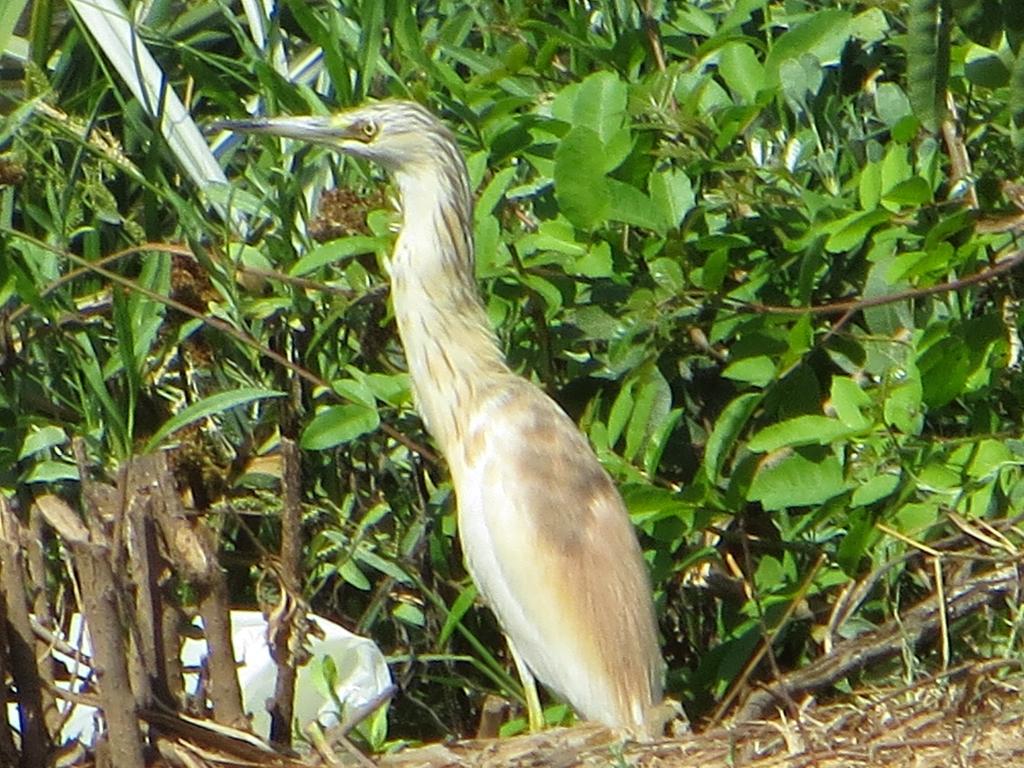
533,710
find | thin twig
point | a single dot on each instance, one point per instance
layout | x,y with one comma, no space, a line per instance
959,159
653,37
855,305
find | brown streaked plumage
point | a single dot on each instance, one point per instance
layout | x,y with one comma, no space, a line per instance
547,538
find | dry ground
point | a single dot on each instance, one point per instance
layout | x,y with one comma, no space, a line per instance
974,717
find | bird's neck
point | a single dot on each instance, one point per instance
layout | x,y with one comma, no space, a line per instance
451,350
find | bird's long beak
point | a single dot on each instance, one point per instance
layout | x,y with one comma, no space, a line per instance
319,129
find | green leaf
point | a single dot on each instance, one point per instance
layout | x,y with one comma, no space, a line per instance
124,327
801,477
892,318
875,489
51,472
916,518
370,38
801,80
653,401
661,433
695,21
596,263
847,399
407,613
869,186
852,230
10,12
355,391
713,273
668,274
913,192
492,194
823,35
491,254
339,424
860,532
759,370
366,556
616,149
209,406
554,235
598,104
319,32
580,185
801,430
595,323
40,439
1017,94
990,457
1013,15
407,35
937,476
742,71
248,256
462,604
351,573
727,429
672,196
928,46
944,368
90,371
987,71
647,503
631,205
896,167
870,26
107,22
620,413
392,388
892,104
902,407
547,291
334,251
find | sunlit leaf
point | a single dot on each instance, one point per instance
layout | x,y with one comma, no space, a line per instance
797,478
580,185
339,424
207,407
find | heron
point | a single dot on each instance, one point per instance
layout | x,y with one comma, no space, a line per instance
545,534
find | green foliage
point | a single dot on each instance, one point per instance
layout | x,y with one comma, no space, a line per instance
928,42
663,201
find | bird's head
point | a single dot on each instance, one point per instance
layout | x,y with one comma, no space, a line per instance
406,140
402,136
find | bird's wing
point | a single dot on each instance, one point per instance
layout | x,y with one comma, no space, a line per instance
553,551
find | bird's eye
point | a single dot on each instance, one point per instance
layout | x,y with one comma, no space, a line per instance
369,130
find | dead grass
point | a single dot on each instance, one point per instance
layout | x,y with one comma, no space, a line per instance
973,717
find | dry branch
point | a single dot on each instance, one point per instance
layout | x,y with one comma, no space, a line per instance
285,625
913,629
35,741
193,552
91,554
42,612
149,572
